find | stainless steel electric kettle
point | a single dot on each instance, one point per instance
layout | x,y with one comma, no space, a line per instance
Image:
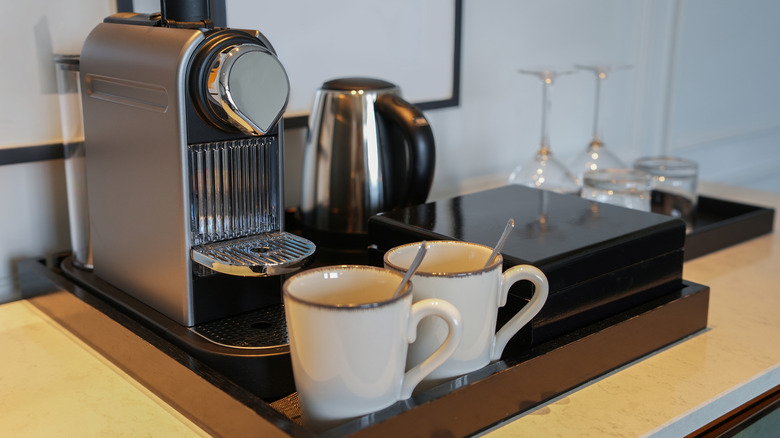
368,150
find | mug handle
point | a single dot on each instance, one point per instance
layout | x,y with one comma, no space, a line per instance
521,318
450,315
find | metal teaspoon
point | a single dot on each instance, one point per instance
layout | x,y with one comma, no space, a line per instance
412,268
501,240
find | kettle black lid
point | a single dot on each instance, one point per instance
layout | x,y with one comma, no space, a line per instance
347,84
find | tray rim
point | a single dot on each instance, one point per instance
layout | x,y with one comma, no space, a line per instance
732,230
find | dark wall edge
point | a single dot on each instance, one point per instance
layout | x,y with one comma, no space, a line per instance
27,154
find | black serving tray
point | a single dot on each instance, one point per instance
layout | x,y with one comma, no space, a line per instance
719,224
462,407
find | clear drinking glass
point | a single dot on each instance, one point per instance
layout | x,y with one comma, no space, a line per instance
624,187
596,155
544,171
674,182
72,125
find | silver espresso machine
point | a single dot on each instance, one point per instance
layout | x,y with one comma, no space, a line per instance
184,138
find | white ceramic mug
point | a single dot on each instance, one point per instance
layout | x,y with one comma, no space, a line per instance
455,271
349,338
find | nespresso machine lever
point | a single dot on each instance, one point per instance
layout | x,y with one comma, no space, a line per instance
247,87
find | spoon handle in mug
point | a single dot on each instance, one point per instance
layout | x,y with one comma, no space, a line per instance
413,267
510,225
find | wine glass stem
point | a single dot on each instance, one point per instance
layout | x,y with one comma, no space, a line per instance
546,82
596,109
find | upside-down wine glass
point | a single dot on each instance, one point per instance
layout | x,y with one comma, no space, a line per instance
596,155
544,171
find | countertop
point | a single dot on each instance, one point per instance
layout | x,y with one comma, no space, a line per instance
52,383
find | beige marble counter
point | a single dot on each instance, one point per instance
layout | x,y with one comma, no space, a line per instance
686,386
53,384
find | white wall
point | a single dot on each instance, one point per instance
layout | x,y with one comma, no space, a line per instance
34,220
725,98
702,84
498,124
33,209
34,30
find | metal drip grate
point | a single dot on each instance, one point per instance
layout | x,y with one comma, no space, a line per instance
261,328
268,254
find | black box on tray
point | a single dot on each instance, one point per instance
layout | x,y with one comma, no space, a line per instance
599,259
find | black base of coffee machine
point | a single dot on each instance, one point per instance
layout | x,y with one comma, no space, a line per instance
251,348
333,248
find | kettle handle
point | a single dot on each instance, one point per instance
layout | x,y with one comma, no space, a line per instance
418,135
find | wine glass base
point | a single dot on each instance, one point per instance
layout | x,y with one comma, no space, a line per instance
595,157
546,173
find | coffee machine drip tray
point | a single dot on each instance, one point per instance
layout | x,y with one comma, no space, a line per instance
256,256
257,329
